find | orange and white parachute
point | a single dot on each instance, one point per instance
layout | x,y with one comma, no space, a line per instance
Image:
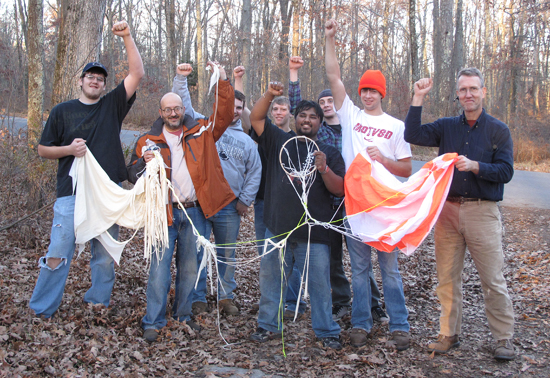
386,213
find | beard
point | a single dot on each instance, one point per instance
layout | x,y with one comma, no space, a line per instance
173,123
91,95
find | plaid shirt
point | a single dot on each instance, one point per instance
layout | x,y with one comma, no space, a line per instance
326,134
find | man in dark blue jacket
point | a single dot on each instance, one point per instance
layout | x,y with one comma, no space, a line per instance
471,216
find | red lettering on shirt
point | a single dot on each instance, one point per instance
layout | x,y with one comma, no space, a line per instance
388,135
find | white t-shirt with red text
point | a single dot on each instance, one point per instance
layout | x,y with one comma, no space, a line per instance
360,130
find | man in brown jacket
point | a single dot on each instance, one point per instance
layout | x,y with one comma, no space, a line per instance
188,148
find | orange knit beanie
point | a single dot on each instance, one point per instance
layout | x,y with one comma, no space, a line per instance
373,79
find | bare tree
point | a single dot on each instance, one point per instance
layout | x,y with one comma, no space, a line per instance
35,40
79,41
413,41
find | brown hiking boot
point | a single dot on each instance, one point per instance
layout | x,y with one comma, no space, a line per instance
228,307
505,350
443,344
199,308
400,340
358,337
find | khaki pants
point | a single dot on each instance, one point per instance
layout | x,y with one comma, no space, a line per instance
478,226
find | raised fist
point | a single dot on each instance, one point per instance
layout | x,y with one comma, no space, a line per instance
223,75
238,71
423,86
184,69
330,28
276,88
295,63
121,29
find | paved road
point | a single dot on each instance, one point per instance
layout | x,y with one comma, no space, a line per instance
527,189
16,124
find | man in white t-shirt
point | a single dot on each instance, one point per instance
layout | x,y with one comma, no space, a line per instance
382,136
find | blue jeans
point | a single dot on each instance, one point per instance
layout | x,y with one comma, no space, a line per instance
225,224
273,288
293,289
259,224
361,265
186,270
50,285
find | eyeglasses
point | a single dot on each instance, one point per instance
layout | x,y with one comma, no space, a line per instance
473,90
100,79
168,111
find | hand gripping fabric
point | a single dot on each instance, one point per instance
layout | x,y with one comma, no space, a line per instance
386,213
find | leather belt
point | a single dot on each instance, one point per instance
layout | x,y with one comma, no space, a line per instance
461,200
187,205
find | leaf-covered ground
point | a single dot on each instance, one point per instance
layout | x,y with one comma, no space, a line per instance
86,341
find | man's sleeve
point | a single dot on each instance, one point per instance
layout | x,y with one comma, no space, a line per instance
50,134
137,164
428,135
402,148
501,169
269,138
225,106
179,86
253,176
294,94
123,106
345,113
336,162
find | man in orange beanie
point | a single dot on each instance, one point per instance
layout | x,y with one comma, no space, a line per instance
382,136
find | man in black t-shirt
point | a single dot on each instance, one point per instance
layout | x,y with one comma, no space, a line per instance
92,122
284,212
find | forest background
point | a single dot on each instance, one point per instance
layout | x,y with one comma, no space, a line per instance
45,44
43,48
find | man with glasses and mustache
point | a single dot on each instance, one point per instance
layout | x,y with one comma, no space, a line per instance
471,216
188,148
92,122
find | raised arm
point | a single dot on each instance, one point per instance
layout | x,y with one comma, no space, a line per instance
294,90
260,109
421,88
238,73
223,111
135,65
179,86
331,65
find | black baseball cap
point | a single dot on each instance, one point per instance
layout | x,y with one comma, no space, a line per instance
97,66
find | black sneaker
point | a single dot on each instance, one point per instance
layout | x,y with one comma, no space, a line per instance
194,326
338,312
379,315
261,335
332,342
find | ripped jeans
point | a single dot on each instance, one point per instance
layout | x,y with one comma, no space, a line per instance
50,284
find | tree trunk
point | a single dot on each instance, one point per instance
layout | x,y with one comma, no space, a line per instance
201,69
286,11
79,40
413,40
296,35
35,53
172,53
246,31
437,50
458,51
